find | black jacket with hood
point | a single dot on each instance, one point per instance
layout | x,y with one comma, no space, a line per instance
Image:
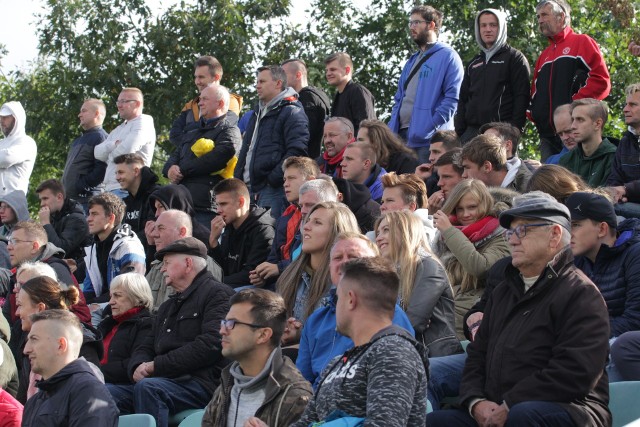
241,250
317,107
358,198
91,350
177,196
73,396
138,209
496,86
69,230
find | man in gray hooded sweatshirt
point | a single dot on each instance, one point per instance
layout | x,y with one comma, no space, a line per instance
17,150
496,81
278,129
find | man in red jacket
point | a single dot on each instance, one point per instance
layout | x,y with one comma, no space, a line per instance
570,68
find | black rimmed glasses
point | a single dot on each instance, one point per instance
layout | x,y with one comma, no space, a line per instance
521,230
231,323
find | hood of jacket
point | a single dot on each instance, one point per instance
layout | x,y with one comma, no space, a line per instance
18,113
50,250
5,330
285,97
353,195
122,232
69,206
148,180
501,38
17,200
628,233
502,199
80,365
257,215
173,196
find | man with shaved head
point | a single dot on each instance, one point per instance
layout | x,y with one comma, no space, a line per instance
83,173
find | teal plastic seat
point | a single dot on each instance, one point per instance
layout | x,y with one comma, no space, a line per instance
193,420
136,420
623,402
464,344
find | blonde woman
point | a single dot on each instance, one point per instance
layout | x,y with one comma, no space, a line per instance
307,280
470,242
425,293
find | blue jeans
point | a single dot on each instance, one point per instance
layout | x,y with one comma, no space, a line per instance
204,218
524,414
120,193
422,153
625,354
273,198
628,210
445,377
159,397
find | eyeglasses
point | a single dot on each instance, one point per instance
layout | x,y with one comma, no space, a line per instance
521,230
124,101
231,323
12,241
416,22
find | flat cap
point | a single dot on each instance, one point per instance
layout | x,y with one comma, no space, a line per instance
186,246
537,205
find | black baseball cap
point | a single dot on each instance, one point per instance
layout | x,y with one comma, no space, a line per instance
584,205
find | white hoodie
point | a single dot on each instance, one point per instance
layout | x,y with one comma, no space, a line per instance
17,153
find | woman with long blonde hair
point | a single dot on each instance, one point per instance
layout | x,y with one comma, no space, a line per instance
425,292
470,242
307,280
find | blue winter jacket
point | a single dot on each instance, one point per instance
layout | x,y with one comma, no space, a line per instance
283,132
616,273
320,342
625,169
437,97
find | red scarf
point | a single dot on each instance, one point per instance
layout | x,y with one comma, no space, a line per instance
292,228
479,229
106,341
334,161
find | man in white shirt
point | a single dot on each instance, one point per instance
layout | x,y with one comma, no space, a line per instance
136,134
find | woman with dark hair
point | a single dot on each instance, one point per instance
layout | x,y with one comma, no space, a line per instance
391,153
39,294
126,323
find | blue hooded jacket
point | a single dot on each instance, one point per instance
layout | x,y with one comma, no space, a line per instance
320,342
437,96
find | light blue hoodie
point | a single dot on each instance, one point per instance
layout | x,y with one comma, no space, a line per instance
436,98
320,342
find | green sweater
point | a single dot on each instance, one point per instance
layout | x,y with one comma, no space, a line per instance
594,169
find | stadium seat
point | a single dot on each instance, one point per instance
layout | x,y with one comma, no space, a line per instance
176,419
136,420
193,420
623,402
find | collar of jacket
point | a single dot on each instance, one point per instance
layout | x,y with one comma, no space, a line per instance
558,38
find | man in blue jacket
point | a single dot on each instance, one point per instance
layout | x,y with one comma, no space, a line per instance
278,128
609,254
320,340
429,85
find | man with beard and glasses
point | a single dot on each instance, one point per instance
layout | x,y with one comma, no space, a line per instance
430,82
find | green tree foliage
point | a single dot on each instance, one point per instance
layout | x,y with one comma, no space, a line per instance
93,49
